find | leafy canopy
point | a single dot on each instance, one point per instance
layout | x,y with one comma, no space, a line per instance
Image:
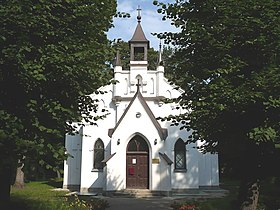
53,54
227,61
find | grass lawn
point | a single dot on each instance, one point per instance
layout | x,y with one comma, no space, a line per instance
42,196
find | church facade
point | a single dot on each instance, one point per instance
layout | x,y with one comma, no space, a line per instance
130,148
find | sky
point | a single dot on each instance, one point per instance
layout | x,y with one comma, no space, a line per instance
151,21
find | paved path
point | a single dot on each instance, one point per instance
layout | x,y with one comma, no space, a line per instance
158,203
117,203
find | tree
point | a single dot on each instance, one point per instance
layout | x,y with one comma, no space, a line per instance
227,61
53,54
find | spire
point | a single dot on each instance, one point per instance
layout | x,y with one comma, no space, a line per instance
117,60
138,44
159,55
139,35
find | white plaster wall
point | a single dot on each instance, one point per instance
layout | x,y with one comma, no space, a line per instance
92,178
215,170
165,176
208,170
189,178
127,129
72,169
162,176
155,84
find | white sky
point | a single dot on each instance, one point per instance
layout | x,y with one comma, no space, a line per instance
151,21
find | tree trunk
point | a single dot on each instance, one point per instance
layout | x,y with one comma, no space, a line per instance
58,174
19,182
249,194
5,185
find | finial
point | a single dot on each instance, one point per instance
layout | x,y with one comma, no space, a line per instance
118,60
139,14
159,54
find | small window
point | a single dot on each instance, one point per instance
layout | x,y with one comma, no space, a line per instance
180,155
98,155
138,53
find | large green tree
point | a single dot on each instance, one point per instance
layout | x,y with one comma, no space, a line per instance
227,61
53,53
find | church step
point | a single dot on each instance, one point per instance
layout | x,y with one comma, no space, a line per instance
139,193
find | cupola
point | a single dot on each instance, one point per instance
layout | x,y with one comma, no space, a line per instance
139,44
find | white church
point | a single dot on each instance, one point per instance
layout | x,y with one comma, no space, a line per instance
130,149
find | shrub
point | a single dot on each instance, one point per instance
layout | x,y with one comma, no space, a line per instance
188,205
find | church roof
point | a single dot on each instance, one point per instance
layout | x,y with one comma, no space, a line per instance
162,131
139,35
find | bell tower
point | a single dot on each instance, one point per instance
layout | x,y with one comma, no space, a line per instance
139,44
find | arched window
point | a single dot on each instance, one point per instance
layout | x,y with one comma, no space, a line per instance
137,144
139,79
180,155
98,155
168,94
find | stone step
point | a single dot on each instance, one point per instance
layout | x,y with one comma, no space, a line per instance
136,193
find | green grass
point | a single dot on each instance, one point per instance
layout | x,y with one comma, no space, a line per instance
42,196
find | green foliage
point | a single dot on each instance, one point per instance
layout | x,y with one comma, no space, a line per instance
88,203
53,55
227,61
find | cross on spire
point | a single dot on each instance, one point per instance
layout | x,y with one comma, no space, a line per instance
139,14
159,54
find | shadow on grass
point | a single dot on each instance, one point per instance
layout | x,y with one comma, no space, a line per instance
55,183
15,204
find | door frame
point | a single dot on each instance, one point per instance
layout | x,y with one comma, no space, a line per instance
139,153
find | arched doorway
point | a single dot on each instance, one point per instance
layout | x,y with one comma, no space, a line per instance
137,164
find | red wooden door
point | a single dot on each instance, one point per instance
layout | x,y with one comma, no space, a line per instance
137,164
137,175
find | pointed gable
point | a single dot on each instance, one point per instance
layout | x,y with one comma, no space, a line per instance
162,131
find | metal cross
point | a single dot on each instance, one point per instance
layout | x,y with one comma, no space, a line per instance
139,10
139,13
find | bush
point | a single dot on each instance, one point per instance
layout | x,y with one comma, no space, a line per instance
88,203
188,205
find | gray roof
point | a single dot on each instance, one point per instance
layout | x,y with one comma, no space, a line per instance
139,35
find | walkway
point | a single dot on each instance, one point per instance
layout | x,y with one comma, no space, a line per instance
125,201
139,203
160,203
